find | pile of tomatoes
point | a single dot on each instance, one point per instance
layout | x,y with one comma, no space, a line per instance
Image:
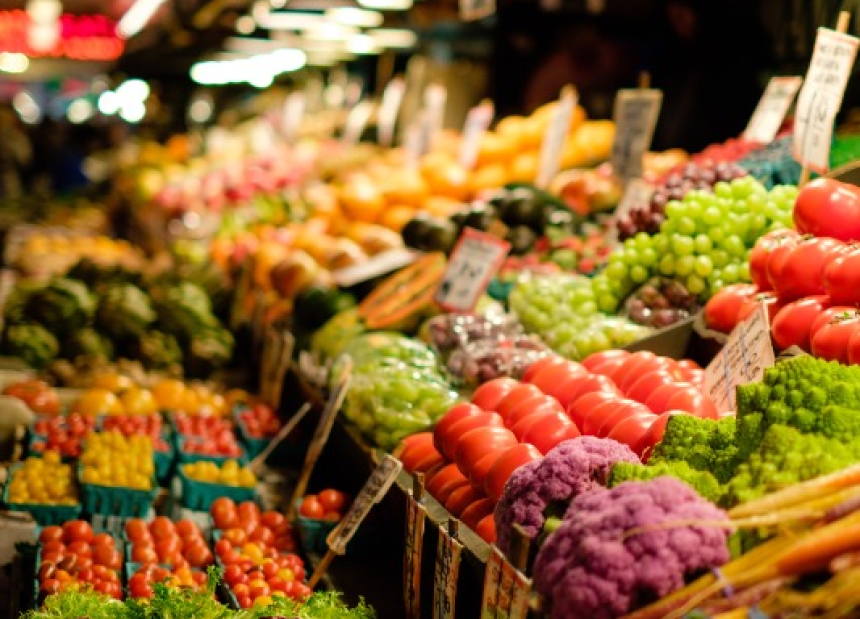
74,556
328,504
148,425
209,436
62,434
256,586
38,395
163,542
140,583
259,421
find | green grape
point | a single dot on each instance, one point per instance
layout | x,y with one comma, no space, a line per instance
618,287
734,245
717,234
617,256
563,333
587,309
731,273
720,258
668,227
616,270
660,242
648,257
631,257
667,265
711,216
704,266
744,271
607,303
756,203
758,223
682,245
639,274
695,285
674,208
722,189
642,241
687,226
684,265
703,244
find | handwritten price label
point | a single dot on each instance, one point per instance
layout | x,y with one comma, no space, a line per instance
392,96
821,97
744,358
372,492
419,136
415,520
522,588
636,112
445,579
771,109
477,123
492,580
476,258
555,137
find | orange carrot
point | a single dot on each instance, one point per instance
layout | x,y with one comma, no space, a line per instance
816,549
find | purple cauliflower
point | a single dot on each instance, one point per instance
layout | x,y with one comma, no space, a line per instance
571,468
588,569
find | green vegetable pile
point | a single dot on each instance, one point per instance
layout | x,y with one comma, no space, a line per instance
92,312
802,421
176,603
396,387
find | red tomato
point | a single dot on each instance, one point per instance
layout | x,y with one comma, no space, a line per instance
549,431
333,500
441,432
488,395
311,507
831,341
779,254
486,529
842,278
689,399
769,299
827,207
445,479
582,407
598,360
525,424
161,527
505,465
447,443
541,364
655,433
477,443
80,548
623,411
248,511
721,312
648,366
546,404
476,512
551,378
199,556
595,417
77,531
761,254
416,448
461,498
646,385
829,315
517,395
428,463
631,367
578,387
792,324
803,272
633,431
51,534
854,348
478,472
109,557
658,401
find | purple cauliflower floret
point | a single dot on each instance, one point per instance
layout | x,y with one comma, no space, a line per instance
573,467
588,569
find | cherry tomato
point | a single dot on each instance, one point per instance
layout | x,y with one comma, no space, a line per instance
831,340
488,395
77,531
761,254
311,508
827,207
505,465
162,527
51,534
803,272
721,311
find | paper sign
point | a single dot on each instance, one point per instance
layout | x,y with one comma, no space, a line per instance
472,10
555,137
356,121
492,580
636,112
392,96
475,259
435,98
506,586
294,109
522,589
746,355
477,122
771,109
445,579
415,520
418,137
380,264
372,492
821,97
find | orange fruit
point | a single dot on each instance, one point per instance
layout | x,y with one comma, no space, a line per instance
405,187
495,148
451,180
442,206
524,167
395,217
490,176
361,199
169,393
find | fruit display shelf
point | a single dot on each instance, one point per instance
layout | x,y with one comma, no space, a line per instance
43,514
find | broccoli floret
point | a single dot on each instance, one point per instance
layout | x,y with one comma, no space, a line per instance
752,397
839,423
701,481
704,444
785,457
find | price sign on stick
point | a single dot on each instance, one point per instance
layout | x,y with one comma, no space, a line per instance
356,121
392,96
746,355
477,123
447,570
294,110
771,109
492,581
636,112
475,259
520,593
418,136
435,98
555,137
257,463
821,97
415,520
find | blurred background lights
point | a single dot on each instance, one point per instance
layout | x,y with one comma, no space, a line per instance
108,103
79,111
26,107
11,62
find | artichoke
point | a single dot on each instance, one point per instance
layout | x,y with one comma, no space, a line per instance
210,349
157,350
87,343
184,308
33,343
125,311
63,306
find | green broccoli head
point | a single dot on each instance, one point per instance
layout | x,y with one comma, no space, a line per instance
701,481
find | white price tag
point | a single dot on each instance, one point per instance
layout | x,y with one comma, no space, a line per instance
636,112
771,109
416,142
294,110
555,137
821,97
445,579
477,122
522,589
356,121
415,520
473,10
492,580
435,99
372,492
475,259
746,355
392,96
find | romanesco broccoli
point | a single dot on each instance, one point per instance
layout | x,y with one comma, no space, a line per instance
704,444
701,481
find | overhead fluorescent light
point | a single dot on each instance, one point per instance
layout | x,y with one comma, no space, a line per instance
362,44
386,5
329,31
394,38
352,16
249,45
291,20
137,17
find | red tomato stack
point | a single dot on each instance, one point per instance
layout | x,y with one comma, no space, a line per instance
166,543
476,447
62,434
810,284
73,555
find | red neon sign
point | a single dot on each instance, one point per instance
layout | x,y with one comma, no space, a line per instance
81,37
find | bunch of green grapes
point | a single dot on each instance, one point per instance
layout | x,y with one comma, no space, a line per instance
704,243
